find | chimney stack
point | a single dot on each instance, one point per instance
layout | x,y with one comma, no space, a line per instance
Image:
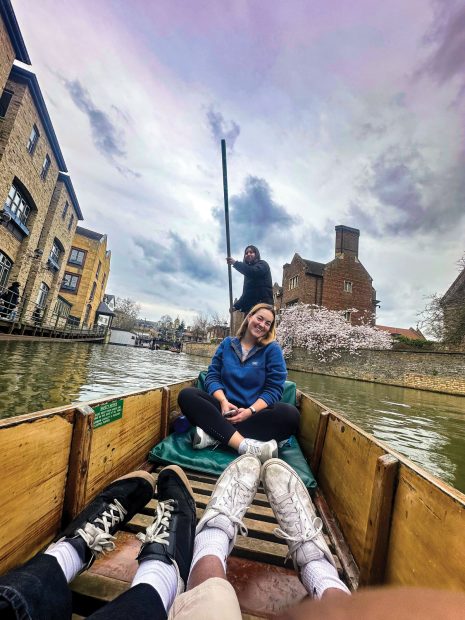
347,241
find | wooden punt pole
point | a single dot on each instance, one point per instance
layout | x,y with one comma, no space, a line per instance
78,467
379,521
226,218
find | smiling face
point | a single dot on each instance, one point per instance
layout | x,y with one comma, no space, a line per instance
259,324
249,255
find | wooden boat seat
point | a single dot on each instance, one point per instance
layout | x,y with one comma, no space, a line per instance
263,584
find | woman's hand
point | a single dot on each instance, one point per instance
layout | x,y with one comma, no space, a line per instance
227,406
240,415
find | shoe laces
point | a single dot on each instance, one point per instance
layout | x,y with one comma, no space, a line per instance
293,516
159,530
97,534
236,495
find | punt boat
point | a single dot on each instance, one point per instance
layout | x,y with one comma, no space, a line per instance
387,521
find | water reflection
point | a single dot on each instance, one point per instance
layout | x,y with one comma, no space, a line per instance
39,375
427,427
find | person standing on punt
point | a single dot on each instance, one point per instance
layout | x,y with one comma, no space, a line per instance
244,384
258,287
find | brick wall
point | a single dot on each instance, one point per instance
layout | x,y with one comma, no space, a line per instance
348,268
436,372
7,55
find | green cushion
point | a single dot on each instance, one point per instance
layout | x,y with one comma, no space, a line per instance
289,394
177,449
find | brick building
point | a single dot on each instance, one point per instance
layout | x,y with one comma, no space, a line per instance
85,276
40,208
453,307
341,284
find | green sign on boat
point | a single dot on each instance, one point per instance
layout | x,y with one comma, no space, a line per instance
108,412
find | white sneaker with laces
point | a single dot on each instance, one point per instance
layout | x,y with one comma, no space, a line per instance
295,513
263,450
203,440
233,494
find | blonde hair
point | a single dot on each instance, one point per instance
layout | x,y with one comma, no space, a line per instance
268,337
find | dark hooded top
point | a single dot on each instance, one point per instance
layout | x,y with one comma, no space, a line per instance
258,287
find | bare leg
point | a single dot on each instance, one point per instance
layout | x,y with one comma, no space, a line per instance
235,440
206,568
382,604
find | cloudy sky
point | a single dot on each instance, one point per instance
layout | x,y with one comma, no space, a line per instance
340,112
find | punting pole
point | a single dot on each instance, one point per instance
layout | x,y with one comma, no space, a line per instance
226,218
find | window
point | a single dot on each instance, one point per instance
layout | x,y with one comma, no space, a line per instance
17,205
98,270
293,282
5,102
5,268
45,168
62,308
92,293
65,210
33,139
77,257
347,286
347,315
71,220
70,282
42,296
55,256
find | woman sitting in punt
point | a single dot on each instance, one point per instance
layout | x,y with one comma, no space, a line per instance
244,384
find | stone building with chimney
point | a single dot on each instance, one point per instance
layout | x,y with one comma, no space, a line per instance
341,284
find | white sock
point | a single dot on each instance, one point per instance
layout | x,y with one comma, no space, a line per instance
161,576
212,541
248,442
67,557
319,575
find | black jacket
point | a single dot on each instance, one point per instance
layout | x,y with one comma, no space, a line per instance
258,287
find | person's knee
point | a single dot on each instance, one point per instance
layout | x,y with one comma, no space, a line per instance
290,414
186,395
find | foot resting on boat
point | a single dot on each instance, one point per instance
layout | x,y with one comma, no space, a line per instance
263,450
300,527
202,440
92,531
166,553
234,491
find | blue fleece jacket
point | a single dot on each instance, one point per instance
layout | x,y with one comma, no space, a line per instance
262,375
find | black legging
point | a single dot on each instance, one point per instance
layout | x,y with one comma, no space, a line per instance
279,421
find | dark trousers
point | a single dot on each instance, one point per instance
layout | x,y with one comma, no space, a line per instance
38,591
279,421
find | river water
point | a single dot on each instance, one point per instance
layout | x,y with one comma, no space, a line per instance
429,428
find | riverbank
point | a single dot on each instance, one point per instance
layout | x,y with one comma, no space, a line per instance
19,338
440,372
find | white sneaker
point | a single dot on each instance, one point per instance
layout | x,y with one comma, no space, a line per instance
263,450
233,494
202,439
295,513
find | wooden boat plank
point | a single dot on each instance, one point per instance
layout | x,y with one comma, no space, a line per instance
263,589
99,587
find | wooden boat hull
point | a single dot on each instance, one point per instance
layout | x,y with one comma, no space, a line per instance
402,525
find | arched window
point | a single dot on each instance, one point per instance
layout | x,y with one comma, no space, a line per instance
5,268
